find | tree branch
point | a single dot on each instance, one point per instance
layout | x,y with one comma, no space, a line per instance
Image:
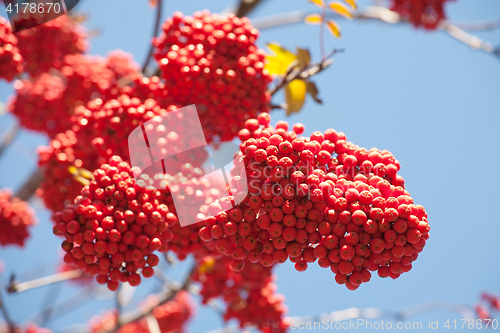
373,313
9,138
16,287
164,297
5,313
245,7
382,14
31,185
155,33
295,73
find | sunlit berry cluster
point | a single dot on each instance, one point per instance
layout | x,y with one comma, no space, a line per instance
11,61
59,186
249,294
28,328
16,217
47,102
113,227
212,61
107,124
45,46
319,198
171,316
421,13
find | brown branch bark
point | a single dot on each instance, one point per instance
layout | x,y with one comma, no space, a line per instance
155,33
5,313
31,185
163,298
295,73
9,138
245,7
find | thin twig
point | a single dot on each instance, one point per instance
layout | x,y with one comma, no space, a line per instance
382,14
322,32
49,301
373,313
31,185
295,73
8,320
16,287
9,138
118,305
155,34
164,297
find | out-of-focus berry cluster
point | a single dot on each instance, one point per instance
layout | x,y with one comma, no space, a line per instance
16,217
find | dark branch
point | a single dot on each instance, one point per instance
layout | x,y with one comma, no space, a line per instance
5,313
155,33
31,185
164,297
245,7
9,138
295,73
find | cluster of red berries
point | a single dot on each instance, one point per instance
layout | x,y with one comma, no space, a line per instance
45,46
107,124
171,317
425,13
59,186
212,61
11,61
113,227
318,198
46,102
15,218
249,294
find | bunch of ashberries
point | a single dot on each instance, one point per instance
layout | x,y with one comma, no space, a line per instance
46,103
318,198
11,61
66,151
28,328
15,218
45,46
114,226
249,294
484,311
212,61
171,316
421,13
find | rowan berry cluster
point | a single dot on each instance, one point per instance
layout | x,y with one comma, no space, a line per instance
59,186
11,61
45,46
318,198
15,218
212,61
249,294
45,103
113,227
421,13
106,124
171,316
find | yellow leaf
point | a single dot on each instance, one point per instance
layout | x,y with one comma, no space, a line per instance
334,28
295,94
352,3
81,175
278,63
207,265
341,9
318,3
313,19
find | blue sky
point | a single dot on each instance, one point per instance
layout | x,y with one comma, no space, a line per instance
430,100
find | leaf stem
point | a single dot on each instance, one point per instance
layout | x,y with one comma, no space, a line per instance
155,33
